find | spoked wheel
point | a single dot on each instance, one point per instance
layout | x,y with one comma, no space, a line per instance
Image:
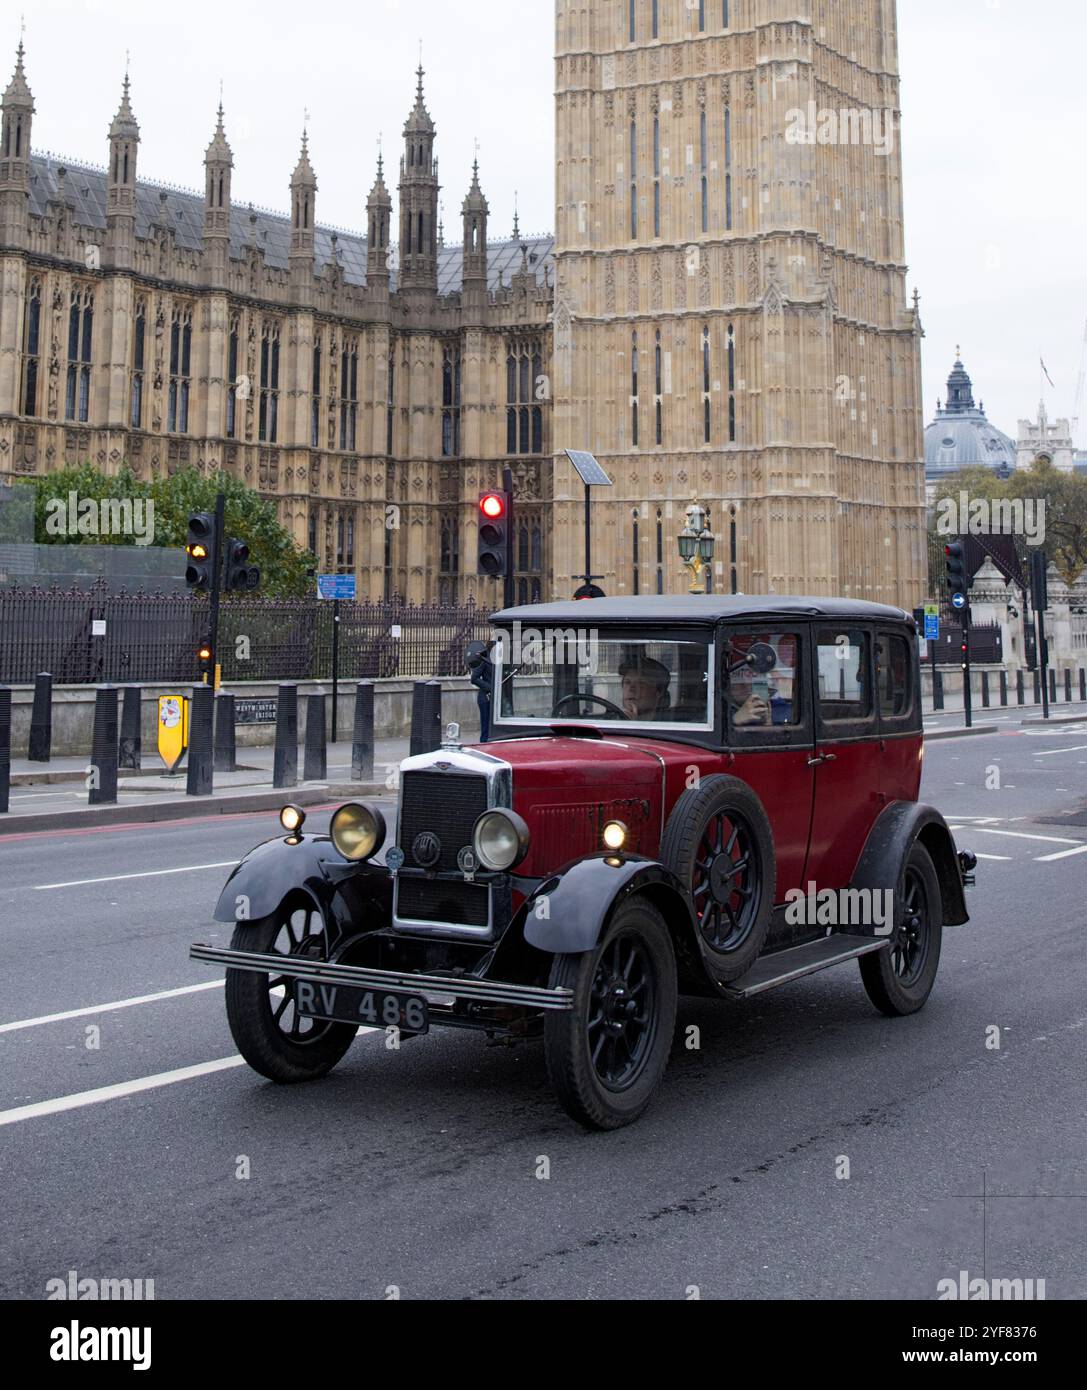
606,1056
900,978
273,1037
719,844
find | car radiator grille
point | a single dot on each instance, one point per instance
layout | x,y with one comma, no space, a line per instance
448,805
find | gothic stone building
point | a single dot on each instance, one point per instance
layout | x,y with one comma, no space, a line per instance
371,386
723,313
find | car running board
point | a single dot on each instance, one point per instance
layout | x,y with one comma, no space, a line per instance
783,967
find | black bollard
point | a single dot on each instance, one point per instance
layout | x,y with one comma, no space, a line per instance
1037,687
362,745
5,747
1068,686
937,690
985,689
41,720
201,777
316,764
226,747
426,717
286,755
1083,685
1020,688
131,746
103,788
1003,690
1052,687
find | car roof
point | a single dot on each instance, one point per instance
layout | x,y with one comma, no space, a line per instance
697,608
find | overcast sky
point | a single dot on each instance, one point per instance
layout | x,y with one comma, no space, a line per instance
993,100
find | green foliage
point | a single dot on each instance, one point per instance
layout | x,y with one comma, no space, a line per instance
249,517
1065,497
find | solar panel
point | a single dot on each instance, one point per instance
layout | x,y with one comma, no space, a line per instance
589,471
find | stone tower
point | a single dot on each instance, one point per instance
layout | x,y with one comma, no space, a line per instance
474,213
419,200
218,164
731,317
124,140
18,114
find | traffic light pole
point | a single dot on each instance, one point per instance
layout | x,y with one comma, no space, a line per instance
509,596
968,694
216,583
1043,662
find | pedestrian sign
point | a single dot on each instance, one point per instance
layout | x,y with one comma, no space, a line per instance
932,622
173,730
336,586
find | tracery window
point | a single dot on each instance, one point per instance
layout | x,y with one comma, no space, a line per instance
177,401
451,397
524,418
139,341
268,416
315,396
32,348
232,377
349,393
80,332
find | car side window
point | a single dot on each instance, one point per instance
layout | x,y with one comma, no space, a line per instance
894,683
764,685
845,694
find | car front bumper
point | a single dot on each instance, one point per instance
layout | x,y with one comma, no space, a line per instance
461,988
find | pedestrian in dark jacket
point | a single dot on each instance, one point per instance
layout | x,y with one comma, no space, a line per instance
481,672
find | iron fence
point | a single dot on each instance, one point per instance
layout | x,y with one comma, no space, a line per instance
94,635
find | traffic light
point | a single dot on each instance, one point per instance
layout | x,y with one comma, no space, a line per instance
956,567
239,575
589,591
494,524
1039,581
202,549
205,657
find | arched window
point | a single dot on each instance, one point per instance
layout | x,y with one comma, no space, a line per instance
268,404
232,378
633,179
706,419
660,551
656,177
315,396
724,14
349,394
659,362
139,337
80,330
633,30
635,568
32,349
728,169
731,385
656,19
451,403
634,390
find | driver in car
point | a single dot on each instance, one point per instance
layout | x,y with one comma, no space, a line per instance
645,689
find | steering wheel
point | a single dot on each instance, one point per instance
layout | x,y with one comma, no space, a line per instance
595,699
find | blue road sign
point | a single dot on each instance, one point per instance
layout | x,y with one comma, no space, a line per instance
932,629
958,601
336,586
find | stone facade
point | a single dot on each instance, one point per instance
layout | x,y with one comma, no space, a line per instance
724,315
731,317
372,390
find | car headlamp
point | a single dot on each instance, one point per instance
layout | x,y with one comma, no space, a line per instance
292,818
615,835
500,840
358,832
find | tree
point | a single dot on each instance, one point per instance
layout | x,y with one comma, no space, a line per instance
284,567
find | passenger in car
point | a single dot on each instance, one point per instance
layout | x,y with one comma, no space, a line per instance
645,689
764,701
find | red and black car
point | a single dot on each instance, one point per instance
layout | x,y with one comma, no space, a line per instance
699,795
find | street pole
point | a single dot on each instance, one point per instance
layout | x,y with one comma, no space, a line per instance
588,535
216,584
510,592
1043,661
968,696
335,668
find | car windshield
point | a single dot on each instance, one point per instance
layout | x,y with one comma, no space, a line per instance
585,676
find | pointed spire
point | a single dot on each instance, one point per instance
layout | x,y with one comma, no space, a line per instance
18,93
304,169
124,123
475,201
516,219
219,150
419,121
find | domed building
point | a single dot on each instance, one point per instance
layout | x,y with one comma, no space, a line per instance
961,436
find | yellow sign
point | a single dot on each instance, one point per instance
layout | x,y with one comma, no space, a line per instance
173,730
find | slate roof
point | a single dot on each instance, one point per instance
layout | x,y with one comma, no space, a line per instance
85,189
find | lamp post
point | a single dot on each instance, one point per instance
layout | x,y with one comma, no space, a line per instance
697,546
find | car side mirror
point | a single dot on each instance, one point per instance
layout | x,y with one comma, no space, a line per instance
762,658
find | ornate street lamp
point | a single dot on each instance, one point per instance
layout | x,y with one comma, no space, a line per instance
697,546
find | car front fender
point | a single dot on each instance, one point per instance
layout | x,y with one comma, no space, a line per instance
568,913
889,842
351,897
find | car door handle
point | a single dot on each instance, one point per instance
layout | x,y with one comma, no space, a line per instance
823,758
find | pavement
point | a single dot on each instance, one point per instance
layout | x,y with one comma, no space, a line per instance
804,1148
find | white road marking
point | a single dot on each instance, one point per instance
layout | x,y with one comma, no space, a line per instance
1021,835
121,1090
1004,857
1055,752
148,873
109,1008
1064,854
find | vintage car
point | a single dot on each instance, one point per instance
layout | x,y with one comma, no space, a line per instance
682,796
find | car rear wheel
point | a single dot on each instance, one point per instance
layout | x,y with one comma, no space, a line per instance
606,1056
899,979
273,1037
719,844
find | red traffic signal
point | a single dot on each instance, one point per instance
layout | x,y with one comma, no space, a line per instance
494,535
493,506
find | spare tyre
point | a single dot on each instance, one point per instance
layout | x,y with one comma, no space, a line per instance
719,844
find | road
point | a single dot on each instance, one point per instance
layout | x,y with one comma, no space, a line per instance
446,1170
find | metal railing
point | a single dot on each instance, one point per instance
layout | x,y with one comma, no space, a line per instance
89,636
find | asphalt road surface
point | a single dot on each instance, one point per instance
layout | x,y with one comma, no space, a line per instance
134,1144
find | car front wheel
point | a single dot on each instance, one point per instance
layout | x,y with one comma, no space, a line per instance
899,979
606,1056
273,1037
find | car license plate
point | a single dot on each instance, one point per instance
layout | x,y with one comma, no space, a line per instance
370,1008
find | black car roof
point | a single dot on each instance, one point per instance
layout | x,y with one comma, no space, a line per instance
696,608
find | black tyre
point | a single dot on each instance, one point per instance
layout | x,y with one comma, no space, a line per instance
719,844
271,1035
607,1055
899,979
